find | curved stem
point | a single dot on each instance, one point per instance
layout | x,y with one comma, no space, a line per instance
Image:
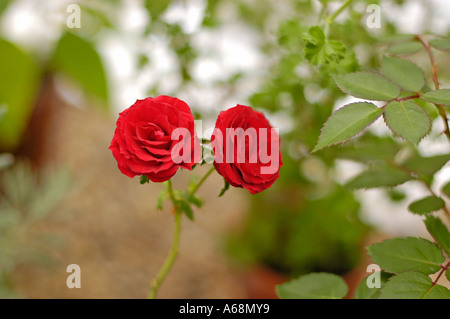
338,11
430,56
443,269
170,259
194,190
440,107
176,236
171,194
415,96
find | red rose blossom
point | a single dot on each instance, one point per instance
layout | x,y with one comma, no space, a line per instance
143,144
246,149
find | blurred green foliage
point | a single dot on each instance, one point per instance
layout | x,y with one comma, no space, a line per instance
26,197
78,58
19,74
296,235
22,74
288,228
306,222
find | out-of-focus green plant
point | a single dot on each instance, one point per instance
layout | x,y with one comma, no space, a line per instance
26,198
410,108
20,83
74,55
294,235
307,222
406,262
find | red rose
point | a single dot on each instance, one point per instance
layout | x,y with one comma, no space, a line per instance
246,149
148,137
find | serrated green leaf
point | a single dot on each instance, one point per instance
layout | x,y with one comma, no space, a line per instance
334,51
428,107
442,44
348,64
367,85
320,51
314,286
426,205
447,274
439,232
378,177
403,72
437,292
426,165
315,36
412,285
347,122
407,254
446,189
404,48
439,96
364,292
407,120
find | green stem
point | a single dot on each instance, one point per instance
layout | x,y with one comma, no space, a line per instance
171,194
194,190
176,237
440,107
338,11
170,259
